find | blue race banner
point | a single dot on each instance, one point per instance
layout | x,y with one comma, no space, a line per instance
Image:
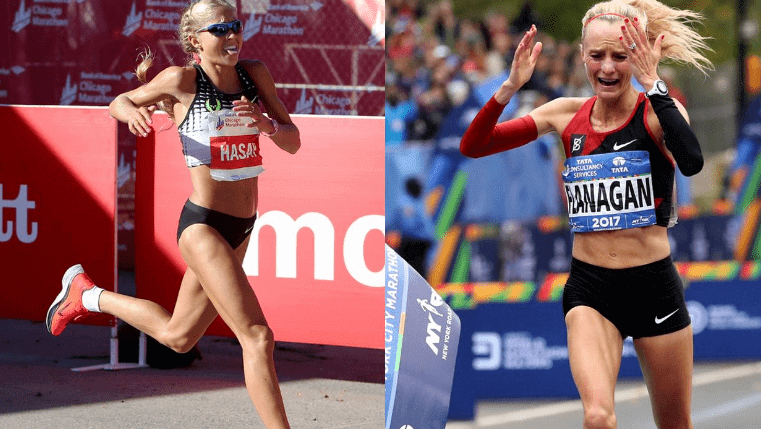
726,319
422,334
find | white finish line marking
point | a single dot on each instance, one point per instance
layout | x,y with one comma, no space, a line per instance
624,395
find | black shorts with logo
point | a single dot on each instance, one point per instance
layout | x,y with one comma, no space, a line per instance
233,229
643,301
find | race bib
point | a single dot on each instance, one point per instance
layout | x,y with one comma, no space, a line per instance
234,147
609,191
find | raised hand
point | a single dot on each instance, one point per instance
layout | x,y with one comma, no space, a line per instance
642,55
523,65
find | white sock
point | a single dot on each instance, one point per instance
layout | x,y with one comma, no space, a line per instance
91,299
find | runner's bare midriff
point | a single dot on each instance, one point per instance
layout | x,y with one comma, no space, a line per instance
623,248
236,198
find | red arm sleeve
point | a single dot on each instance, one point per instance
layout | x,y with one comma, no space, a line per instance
484,137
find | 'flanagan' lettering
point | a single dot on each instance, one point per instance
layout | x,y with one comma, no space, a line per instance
621,195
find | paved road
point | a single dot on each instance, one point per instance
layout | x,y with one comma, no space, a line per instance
725,396
323,386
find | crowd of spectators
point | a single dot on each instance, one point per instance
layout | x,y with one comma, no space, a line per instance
433,57
434,62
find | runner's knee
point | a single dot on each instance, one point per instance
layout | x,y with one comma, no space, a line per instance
180,343
599,418
258,339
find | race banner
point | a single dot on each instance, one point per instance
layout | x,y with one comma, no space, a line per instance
422,334
326,56
726,325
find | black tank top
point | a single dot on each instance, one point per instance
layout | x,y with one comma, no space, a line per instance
579,138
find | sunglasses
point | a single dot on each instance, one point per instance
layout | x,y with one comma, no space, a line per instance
221,29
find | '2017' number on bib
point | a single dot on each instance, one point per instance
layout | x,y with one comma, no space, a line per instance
606,222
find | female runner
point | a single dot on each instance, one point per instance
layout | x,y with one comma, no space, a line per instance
622,148
213,101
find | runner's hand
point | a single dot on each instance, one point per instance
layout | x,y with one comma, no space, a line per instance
244,107
643,57
140,121
524,61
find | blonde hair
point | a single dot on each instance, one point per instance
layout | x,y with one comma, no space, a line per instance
190,22
682,45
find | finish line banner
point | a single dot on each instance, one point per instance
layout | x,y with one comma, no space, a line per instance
422,333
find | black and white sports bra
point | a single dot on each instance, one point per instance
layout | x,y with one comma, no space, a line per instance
212,134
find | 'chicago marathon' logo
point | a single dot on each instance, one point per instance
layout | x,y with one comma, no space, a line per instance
22,18
278,19
134,19
252,26
40,15
304,105
69,92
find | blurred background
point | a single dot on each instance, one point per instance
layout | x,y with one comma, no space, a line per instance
491,234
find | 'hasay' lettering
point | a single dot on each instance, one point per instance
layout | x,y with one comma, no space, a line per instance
237,152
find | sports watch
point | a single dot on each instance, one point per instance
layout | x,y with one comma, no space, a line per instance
659,88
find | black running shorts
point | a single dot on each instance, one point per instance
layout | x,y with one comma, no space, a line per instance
233,229
643,301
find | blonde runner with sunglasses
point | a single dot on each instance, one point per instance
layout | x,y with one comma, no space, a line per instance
215,103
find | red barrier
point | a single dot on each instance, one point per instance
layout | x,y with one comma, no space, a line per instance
323,286
57,204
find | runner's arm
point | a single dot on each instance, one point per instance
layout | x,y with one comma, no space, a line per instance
484,137
679,138
136,107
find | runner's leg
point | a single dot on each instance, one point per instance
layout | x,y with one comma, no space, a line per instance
594,352
219,269
181,330
666,362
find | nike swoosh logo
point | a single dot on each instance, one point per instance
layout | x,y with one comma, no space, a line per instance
659,321
619,146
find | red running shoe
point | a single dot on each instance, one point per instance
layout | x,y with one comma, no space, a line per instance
68,306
